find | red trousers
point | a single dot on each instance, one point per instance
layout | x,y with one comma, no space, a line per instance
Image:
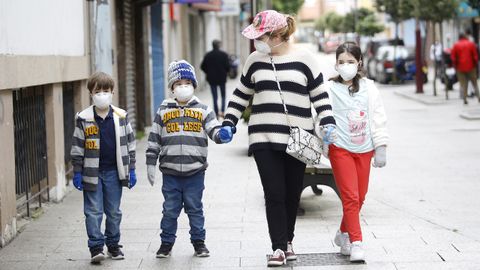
351,171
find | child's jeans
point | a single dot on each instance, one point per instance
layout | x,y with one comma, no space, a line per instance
106,199
183,192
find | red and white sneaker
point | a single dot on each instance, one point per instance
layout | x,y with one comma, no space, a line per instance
290,254
277,259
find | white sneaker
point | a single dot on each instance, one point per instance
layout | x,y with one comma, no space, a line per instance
345,249
340,238
277,259
357,254
343,241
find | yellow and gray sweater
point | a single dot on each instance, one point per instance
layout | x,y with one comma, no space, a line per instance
178,138
85,151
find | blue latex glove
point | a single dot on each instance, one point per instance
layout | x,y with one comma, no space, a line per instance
133,179
225,134
77,180
329,134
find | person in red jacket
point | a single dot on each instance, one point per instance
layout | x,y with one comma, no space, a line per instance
465,58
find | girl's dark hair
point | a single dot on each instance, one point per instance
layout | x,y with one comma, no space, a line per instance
353,49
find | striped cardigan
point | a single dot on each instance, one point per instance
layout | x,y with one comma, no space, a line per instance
85,150
300,79
178,138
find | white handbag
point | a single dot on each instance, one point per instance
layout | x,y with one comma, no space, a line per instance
301,144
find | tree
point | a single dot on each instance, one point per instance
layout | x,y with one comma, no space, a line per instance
321,24
436,12
353,18
334,22
369,26
287,6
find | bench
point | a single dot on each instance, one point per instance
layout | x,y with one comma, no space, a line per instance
319,175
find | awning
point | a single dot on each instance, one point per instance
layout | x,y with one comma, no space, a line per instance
190,1
466,11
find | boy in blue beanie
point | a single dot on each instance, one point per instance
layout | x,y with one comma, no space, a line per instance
179,141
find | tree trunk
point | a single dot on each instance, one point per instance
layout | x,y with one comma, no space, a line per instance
394,75
418,58
434,60
444,68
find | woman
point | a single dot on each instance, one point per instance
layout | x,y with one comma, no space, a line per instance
361,135
299,76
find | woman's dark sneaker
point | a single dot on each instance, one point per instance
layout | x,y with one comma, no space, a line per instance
200,249
97,255
165,250
115,252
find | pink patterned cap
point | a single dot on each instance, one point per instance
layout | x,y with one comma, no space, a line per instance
265,22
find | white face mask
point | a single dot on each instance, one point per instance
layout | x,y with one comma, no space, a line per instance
347,71
102,100
263,47
183,93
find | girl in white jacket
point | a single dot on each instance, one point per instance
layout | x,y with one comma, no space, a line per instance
360,135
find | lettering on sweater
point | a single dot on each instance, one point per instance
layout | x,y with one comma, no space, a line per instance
191,126
91,144
91,130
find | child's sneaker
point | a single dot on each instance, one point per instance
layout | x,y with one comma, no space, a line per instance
165,250
200,249
346,247
357,254
290,254
343,241
277,259
97,255
115,252
340,238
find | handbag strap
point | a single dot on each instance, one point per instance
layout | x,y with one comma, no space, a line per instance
280,91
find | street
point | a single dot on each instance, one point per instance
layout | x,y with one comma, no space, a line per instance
421,210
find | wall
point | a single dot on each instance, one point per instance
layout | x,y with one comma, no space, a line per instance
8,210
56,27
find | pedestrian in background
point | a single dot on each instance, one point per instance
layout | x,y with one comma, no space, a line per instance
361,134
216,65
298,73
103,159
465,58
179,140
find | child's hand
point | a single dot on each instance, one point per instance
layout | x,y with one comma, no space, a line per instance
151,174
77,181
225,134
380,157
329,134
133,179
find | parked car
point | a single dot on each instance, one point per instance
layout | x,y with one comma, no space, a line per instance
381,66
371,49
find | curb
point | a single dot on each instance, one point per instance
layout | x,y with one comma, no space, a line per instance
427,100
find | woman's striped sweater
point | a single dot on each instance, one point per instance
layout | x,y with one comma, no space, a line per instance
300,79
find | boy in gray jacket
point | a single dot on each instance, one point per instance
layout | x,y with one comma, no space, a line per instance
179,141
103,158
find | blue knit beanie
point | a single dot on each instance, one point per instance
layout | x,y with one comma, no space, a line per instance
178,70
